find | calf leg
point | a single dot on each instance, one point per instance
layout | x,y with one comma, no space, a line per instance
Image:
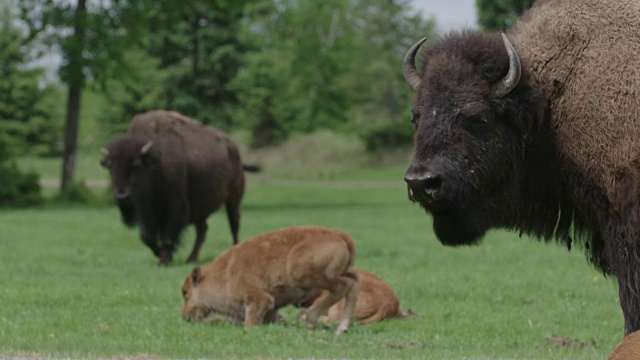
350,303
201,231
345,285
256,307
233,214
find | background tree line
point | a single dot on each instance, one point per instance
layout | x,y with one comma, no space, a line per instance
272,67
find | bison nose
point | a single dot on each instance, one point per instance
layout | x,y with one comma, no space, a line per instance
425,187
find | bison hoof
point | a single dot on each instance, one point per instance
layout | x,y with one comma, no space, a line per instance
164,262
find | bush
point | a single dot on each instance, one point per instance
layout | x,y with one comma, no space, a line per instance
388,136
77,193
18,189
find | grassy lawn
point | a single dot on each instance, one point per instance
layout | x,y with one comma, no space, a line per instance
76,283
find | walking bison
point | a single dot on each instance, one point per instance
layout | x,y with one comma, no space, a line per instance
169,171
251,281
536,130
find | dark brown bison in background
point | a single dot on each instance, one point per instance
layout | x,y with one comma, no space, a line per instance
169,171
536,130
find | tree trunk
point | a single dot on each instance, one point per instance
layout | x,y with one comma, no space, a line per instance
76,83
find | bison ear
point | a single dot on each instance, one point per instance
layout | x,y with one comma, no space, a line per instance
196,276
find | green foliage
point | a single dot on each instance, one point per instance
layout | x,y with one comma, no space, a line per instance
387,136
27,123
76,192
328,64
139,87
497,15
196,42
509,298
18,189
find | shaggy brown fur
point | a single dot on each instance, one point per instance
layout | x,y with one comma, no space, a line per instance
556,156
376,301
186,172
251,281
628,349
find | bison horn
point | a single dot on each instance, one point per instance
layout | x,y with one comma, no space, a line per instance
105,151
146,147
409,65
510,81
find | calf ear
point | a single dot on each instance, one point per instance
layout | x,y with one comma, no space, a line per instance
196,276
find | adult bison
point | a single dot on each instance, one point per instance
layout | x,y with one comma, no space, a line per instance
536,130
169,171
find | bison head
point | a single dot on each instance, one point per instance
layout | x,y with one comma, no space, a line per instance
128,160
468,117
194,308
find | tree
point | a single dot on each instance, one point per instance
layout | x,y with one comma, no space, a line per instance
497,15
199,51
138,88
92,37
20,97
323,64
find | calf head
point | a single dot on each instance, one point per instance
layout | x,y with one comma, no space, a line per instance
468,117
195,308
128,160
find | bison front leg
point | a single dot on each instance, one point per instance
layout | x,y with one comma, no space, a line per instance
150,241
622,259
629,288
256,307
167,248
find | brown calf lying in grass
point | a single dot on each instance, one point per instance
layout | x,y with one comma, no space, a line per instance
376,301
628,349
252,280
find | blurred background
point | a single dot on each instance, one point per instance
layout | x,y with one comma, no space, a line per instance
314,86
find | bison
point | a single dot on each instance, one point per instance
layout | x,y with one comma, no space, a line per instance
536,130
376,301
169,171
251,281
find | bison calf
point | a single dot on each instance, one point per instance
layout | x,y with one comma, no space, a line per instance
628,349
376,301
251,281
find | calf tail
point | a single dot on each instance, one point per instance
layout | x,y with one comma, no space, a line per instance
351,245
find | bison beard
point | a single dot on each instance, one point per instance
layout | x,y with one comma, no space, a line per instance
454,228
127,212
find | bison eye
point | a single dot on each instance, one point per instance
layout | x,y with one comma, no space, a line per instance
414,118
105,163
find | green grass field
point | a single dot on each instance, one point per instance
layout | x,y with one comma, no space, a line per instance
76,283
